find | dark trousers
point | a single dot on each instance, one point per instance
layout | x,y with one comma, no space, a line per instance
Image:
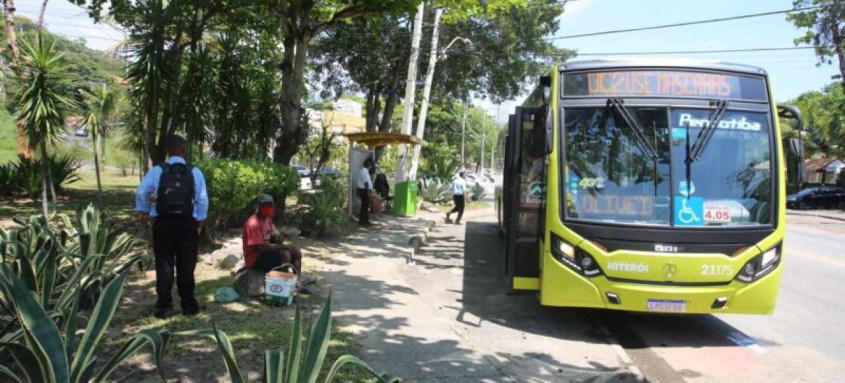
364,215
175,245
459,206
268,260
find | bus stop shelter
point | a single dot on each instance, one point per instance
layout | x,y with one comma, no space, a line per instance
405,193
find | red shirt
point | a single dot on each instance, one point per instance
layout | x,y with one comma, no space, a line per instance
257,231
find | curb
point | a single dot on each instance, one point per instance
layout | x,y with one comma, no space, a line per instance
418,240
432,220
815,215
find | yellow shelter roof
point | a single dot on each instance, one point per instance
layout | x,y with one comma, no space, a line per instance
379,139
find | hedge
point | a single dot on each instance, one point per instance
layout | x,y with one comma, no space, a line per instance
233,187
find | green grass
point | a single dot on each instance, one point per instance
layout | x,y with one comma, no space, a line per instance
252,326
118,195
8,137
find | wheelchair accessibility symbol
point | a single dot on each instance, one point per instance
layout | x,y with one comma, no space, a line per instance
689,211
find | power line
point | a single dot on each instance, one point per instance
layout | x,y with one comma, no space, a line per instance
695,51
722,19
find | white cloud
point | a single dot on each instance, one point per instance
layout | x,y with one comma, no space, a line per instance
572,8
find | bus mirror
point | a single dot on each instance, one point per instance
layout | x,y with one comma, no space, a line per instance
795,171
792,113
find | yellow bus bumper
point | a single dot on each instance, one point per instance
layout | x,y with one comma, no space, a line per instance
561,286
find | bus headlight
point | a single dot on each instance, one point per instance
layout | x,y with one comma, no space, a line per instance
574,258
760,265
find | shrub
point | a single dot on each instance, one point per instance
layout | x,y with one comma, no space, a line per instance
326,206
439,161
57,273
477,192
26,175
233,187
434,190
52,352
299,366
8,180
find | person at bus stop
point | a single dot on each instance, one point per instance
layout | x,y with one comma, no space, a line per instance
363,183
376,206
263,247
459,186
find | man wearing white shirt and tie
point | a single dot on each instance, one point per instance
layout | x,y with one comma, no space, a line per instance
363,183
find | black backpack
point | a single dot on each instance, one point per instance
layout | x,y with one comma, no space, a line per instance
175,195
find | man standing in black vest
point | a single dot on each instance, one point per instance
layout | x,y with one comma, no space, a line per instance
180,209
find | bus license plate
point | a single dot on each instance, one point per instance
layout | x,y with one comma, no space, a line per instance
665,305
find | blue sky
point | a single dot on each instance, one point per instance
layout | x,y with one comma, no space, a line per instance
71,21
792,72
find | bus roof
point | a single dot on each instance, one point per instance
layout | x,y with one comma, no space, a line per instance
661,63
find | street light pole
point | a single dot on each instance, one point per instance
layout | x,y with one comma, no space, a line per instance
463,137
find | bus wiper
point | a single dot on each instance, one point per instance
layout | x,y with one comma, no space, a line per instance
642,141
707,132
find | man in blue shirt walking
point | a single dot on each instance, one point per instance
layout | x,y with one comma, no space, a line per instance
459,186
180,209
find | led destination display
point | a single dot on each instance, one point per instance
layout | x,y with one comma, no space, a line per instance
661,83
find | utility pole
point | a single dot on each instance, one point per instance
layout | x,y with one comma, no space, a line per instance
432,61
483,138
463,137
410,89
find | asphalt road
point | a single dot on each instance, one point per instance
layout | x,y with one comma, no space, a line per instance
461,270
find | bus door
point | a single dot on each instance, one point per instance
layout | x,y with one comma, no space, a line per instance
525,197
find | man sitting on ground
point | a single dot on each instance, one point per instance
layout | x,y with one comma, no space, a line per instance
262,243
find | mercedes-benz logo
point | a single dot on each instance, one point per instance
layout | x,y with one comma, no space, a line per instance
669,270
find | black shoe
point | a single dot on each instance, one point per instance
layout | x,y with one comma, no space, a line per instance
366,224
163,313
192,312
457,222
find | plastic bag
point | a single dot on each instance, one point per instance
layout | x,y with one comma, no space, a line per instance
226,295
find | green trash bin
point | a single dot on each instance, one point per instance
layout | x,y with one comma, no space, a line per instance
405,198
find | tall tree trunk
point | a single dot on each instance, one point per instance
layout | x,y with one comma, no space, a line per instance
840,51
41,17
290,104
373,108
12,45
96,138
45,179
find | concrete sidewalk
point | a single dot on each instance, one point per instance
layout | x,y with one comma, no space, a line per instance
397,331
404,326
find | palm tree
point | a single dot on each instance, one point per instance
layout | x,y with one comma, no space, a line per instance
101,102
152,71
40,105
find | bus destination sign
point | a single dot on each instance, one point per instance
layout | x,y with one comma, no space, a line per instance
664,83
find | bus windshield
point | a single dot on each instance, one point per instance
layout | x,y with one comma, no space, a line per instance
611,176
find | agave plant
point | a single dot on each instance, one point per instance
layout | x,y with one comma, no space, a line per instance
52,353
68,265
477,192
434,190
300,367
326,206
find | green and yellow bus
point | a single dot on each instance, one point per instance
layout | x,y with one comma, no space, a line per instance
647,186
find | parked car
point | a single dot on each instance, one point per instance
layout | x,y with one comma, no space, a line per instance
330,172
81,131
820,197
302,170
